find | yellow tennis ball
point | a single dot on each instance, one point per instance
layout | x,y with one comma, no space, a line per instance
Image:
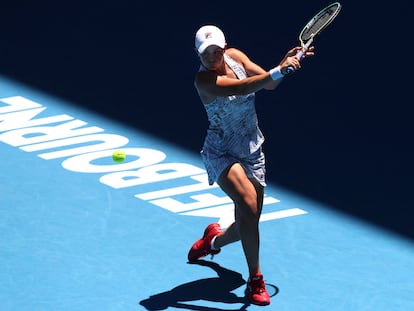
118,156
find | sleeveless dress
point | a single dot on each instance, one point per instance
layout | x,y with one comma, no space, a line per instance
233,134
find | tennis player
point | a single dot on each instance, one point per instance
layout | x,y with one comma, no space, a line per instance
232,152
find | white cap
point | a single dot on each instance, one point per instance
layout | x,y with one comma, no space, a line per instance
209,35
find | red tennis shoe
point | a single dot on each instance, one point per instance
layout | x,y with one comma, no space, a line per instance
202,247
256,291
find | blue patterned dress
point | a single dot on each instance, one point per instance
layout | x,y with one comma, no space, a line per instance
233,134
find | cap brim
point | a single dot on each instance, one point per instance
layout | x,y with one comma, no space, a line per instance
207,43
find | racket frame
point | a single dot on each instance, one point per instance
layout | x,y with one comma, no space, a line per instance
311,22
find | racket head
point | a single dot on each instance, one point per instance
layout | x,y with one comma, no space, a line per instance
319,22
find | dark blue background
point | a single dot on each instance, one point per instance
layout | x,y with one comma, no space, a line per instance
340,130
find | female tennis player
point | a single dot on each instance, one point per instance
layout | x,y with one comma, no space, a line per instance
232,152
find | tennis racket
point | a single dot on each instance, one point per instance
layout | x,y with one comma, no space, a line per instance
314,27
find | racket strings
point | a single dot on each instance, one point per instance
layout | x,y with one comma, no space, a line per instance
319,22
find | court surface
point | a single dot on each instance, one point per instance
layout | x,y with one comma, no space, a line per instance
80,232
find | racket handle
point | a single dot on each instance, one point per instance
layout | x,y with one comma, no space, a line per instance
290,69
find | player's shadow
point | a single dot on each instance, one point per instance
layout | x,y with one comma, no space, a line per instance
217,289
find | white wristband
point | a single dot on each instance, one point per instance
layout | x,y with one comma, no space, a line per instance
275,73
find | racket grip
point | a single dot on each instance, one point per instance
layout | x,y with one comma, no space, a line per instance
290,69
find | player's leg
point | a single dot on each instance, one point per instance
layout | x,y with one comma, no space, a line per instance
214,238
247,195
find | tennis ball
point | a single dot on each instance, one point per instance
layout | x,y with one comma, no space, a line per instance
118,156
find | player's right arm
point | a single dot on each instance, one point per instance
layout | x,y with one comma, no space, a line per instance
210,85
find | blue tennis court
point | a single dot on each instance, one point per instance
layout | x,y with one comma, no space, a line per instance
81,232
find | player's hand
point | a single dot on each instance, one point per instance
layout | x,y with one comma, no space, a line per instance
309,52
291,60
296,49
293,52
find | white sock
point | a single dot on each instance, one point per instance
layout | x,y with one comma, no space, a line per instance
212,244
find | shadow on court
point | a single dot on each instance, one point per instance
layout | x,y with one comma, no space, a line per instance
217,289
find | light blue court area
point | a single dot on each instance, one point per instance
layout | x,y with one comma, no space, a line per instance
79,232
